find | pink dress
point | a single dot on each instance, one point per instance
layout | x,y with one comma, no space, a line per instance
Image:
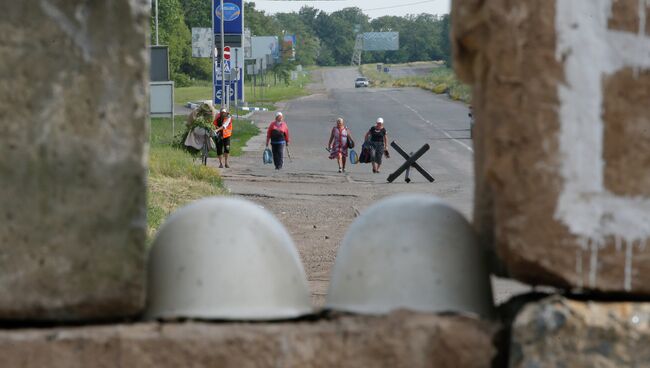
340,142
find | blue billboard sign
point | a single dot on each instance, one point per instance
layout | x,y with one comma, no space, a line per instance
233,16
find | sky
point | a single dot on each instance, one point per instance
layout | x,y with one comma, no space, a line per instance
372,8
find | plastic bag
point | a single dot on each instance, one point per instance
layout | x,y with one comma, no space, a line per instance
267,157
354,159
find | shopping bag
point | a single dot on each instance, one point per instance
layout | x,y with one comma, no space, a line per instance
267,157
367,153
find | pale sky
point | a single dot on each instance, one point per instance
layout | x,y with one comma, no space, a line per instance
372,8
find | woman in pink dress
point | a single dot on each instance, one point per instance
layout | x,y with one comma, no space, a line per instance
338,143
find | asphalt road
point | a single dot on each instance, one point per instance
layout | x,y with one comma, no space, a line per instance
316,203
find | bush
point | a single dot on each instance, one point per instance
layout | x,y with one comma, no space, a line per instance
181,80
440,88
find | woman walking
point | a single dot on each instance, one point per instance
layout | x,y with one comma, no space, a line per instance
379,140
278,135
338,143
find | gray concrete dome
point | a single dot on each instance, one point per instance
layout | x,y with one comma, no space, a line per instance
413,252
225,258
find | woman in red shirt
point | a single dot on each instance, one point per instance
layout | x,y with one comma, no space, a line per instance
278,135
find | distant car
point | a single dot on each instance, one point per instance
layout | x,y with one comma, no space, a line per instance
361,82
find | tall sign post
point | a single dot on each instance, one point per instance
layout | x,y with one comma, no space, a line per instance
223,46
228,28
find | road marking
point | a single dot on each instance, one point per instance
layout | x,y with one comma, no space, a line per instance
434,125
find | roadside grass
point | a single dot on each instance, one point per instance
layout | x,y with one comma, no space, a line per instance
441,80
183,95
175,177
243,130
258,97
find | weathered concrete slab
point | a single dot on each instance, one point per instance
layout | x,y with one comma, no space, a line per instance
73,108
557,332
562,137
401,339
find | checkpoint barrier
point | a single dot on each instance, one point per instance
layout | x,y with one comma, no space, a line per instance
413,252
410,162
227,259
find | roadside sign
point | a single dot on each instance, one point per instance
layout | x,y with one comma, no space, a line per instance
226,53
226,66
233,11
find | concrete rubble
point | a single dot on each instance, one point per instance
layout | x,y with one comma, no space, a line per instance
559,332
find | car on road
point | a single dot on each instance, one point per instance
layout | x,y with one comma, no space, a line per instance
361,82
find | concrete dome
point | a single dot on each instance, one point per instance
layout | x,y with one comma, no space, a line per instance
225,258
412,252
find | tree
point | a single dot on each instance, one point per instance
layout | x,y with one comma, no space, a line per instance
445,39
259,23
198,13
174,33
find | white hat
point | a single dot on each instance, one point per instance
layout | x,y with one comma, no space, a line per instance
435,266
278,114
223,109
225,258
380,120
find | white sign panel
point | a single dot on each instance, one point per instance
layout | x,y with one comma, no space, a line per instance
162,99
380,41
202,42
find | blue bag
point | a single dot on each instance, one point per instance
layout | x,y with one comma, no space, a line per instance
267,157
354,159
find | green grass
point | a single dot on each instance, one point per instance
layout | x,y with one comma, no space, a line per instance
183,95
441,81
175,177
242,131
263,97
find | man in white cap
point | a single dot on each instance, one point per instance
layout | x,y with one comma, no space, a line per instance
378,138
278,135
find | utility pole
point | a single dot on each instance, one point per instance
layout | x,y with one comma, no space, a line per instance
156,23
236,78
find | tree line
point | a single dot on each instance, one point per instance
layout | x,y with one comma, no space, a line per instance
322,38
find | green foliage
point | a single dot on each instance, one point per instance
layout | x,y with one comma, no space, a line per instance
173,32
198,13
321,38
259,22
181,80
441,80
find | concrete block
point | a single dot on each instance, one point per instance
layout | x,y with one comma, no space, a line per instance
401,339
73,142
562,137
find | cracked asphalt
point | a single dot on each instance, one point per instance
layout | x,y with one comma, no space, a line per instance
316,203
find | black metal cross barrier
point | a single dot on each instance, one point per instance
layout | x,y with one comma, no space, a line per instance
410,162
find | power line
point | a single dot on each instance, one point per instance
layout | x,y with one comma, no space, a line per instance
399,6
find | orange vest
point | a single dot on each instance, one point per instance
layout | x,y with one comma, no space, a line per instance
227,131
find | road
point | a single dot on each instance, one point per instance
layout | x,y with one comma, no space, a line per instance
315,202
